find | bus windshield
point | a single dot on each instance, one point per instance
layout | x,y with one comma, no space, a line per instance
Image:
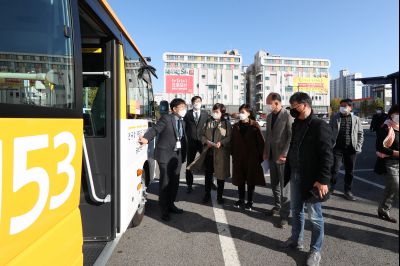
36,60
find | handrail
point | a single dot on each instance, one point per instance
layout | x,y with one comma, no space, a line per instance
107,74
92,191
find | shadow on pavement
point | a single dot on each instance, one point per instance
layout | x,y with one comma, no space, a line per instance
193,222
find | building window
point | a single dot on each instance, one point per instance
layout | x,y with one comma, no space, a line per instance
225,97
236,77
203,76
266,78
236,87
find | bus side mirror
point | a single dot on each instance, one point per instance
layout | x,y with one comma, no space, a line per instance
164,107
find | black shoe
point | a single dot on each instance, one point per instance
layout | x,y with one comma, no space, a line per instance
283,223
274,211
248,206
175,210
239,204
386,216
213,186
220,200
189,189
290,244
207,198
349,196
165,217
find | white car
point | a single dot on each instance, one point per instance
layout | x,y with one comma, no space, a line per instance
261,123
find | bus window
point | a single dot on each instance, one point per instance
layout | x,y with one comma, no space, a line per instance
139,90
36,63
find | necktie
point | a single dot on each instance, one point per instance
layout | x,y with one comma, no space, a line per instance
196,117
180,129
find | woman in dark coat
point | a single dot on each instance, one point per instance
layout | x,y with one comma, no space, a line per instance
247,145
387,147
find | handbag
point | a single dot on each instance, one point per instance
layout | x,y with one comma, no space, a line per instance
380,166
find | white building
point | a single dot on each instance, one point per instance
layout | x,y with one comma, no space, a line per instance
286,75
214,77
344,87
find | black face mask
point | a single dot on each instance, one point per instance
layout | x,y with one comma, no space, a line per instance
294,113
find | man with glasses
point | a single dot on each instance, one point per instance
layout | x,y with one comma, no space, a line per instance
170,153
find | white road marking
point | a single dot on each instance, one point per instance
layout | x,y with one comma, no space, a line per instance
229,252
365,180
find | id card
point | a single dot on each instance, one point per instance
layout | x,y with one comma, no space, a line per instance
178,145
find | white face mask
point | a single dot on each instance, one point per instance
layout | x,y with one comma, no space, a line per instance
243,116
182,113
268,108
344,110
216,116
197,106
395,118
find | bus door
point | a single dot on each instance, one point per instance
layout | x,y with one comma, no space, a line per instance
97,169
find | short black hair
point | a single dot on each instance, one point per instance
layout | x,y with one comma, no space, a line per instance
349,102
175,102
275,96
393,109
248,108
300,97
219,106
196,98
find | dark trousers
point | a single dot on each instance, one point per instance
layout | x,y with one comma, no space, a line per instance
348,158
194,147
250,191
209,171
209,175
392,185
280,192
169,183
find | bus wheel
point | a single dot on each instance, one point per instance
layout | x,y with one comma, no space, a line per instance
138,217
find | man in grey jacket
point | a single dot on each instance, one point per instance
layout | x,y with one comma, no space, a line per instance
348,137
277,142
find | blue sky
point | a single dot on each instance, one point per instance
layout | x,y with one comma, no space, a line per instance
362,36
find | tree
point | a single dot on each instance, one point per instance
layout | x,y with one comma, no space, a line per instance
364,108
335,104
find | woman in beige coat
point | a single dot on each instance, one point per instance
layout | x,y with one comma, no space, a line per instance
215,158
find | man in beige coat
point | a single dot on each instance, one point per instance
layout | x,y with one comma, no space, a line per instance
277,142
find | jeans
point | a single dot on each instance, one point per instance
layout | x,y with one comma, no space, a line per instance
392,185
348,157
281,193
314,214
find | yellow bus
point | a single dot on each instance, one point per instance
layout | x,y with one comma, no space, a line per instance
75,94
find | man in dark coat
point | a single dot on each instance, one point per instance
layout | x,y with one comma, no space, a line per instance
170,153
377,119
195,119
308,167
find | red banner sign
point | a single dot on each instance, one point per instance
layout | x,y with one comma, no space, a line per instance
179,84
